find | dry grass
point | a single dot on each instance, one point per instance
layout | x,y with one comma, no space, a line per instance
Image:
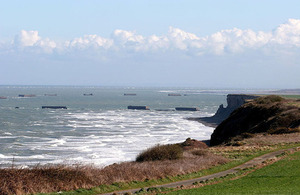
267,140
255,143
64,178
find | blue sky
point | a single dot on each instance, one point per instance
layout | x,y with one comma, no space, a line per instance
219,44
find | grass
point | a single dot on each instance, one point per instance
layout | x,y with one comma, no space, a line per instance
296,99
281,177
291,96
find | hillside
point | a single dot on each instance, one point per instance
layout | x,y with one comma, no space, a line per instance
270,114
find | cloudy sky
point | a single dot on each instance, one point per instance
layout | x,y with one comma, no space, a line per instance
182,43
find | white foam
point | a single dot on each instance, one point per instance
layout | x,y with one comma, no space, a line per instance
106,137
5,157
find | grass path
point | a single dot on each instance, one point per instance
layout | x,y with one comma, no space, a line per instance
254,162
281,177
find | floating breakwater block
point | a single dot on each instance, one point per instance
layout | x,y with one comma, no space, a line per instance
27,95
54,107
138,107
187,109
174,94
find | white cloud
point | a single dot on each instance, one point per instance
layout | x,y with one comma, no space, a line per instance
127,39
182,40
30,40
236,40
231,41
27,38
288,33
89,41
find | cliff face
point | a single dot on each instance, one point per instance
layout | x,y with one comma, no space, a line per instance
265,114
234,101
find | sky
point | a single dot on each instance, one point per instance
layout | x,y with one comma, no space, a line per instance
151,43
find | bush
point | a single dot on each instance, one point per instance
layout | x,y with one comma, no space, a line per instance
161,152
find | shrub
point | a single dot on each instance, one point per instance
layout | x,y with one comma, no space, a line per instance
200,152
161,152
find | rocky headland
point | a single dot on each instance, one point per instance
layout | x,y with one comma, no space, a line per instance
267,114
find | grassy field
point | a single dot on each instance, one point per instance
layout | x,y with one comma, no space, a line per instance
291,96
282,177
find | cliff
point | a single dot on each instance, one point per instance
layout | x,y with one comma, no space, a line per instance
234,101
270,114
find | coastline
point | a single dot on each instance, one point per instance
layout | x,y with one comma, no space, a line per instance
207,121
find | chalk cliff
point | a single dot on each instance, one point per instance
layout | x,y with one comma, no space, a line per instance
234,101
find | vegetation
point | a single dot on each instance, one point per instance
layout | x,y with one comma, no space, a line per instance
291,96
268,99
161,152
283,130
282,177
43,179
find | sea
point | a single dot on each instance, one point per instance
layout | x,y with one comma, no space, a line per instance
97,128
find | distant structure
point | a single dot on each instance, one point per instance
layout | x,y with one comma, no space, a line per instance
166,109
174,94
187,109
27,95
47,94
138,107
2,97
54,107
129,94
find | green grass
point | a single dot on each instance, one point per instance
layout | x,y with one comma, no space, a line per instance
282,177
291,96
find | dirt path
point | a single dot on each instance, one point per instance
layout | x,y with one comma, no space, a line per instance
254,162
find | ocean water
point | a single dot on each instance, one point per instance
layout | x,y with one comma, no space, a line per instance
96,129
